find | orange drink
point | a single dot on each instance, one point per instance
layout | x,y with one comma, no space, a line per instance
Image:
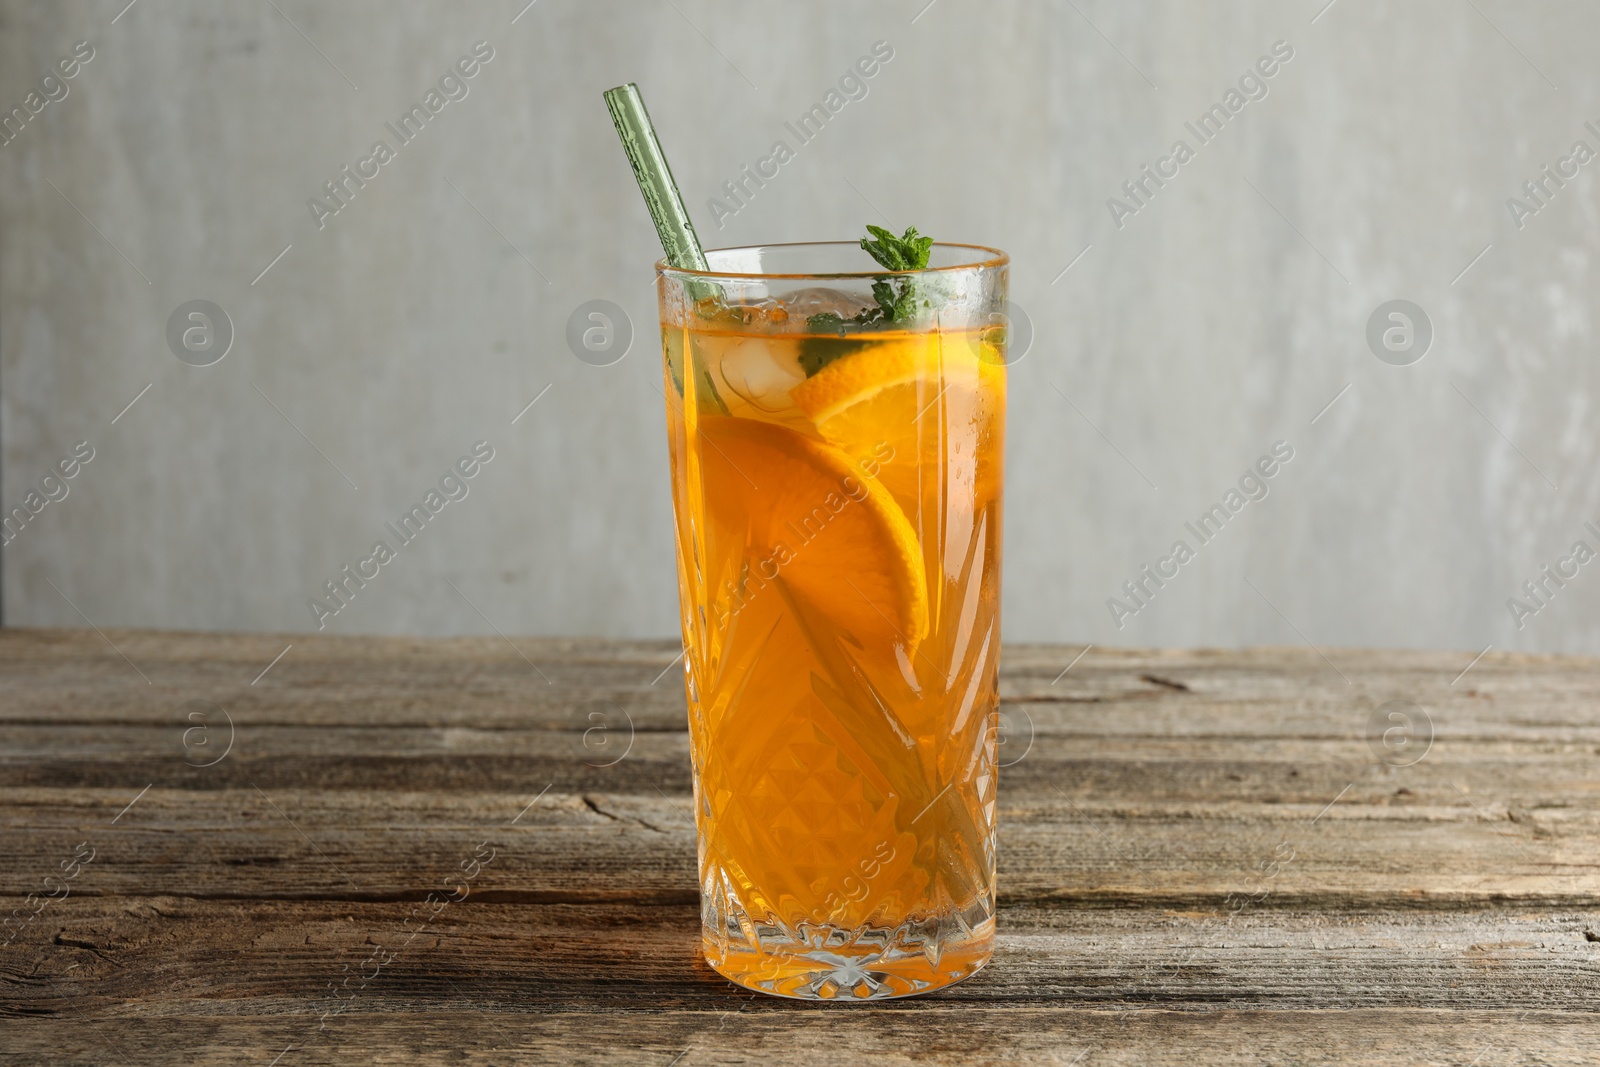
836,486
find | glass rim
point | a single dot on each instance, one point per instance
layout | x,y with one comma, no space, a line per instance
990,258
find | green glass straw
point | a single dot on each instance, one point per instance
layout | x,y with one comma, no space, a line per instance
650,170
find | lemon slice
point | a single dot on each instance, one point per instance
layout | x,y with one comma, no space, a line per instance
810,518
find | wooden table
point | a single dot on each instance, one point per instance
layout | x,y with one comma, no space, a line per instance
460,851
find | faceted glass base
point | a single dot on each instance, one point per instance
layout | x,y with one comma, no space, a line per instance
832,963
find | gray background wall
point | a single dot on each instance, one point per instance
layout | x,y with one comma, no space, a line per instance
1222,317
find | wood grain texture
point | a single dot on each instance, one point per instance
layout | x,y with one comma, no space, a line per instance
1205,857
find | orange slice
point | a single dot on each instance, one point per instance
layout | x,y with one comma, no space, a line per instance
810,519
913,408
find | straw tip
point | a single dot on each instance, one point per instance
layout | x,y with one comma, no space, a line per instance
627,89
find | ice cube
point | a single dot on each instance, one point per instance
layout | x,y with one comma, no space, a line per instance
743,313
757,376
804,303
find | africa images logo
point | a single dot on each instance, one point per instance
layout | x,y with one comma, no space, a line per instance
453,86
1253,85
1254,485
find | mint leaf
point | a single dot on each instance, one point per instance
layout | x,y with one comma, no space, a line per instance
818,352
896,297
828,322
906,252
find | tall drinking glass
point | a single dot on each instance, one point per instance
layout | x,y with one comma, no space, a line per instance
836,487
